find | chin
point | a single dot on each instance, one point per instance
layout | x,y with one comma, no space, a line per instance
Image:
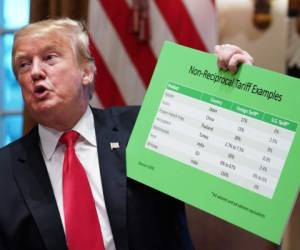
42,111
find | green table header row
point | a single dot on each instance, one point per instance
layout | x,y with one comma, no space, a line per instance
235,107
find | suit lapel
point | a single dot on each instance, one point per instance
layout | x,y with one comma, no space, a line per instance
113,175
32,178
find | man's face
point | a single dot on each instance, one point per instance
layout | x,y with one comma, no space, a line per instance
49,75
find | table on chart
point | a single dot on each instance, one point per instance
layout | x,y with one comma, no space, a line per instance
244,146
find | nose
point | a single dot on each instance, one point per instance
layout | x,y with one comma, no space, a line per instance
37,71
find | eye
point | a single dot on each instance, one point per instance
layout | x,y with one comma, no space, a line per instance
50,57
23,65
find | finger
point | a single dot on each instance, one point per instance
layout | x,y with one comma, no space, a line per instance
225,52
238,59
248,59
217,49
222,65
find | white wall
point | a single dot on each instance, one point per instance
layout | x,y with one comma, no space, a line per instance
267,47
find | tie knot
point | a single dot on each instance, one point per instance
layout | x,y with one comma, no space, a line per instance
69,138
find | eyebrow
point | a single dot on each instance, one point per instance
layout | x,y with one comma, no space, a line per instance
22,55
19,56
51,47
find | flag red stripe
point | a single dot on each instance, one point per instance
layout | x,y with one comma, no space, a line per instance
105,86
181,24
140,53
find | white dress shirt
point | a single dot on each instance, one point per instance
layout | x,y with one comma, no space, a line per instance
86,151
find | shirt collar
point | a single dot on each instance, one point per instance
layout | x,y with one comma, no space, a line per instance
85,127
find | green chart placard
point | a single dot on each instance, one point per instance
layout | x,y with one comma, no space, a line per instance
226,144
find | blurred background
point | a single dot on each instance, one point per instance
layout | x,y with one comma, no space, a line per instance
126,37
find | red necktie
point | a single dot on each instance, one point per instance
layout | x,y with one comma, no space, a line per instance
83,231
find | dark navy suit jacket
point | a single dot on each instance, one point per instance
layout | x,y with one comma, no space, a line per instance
141,218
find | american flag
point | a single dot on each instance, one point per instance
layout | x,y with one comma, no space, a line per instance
127,35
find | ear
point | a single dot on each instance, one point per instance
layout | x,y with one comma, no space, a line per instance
87,75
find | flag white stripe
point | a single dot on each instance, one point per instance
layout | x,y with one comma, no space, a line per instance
114,55
204,17
159,29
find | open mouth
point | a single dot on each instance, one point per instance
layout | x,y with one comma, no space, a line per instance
40,90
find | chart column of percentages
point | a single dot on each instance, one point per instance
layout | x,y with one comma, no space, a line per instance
244,146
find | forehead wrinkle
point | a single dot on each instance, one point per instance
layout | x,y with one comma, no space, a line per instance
53,40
